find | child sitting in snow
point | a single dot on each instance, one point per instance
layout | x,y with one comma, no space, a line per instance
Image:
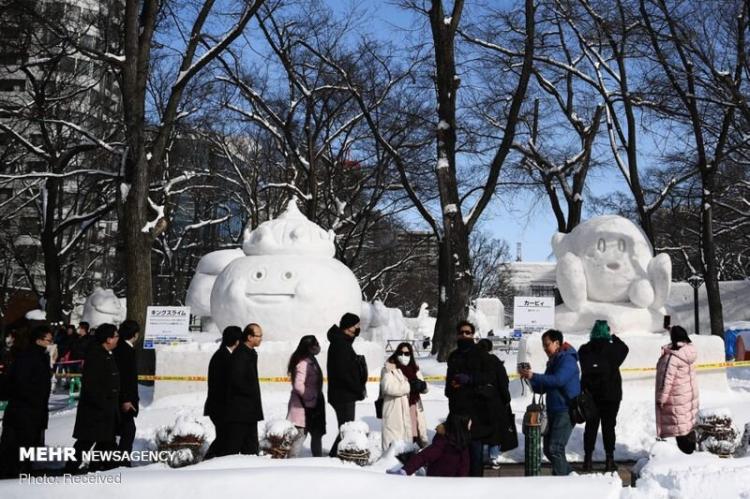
448,455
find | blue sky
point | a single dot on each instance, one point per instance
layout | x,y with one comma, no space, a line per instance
513,216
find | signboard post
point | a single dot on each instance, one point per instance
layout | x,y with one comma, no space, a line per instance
166,326
533,313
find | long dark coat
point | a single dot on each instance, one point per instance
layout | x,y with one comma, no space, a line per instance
498,406
126,364
218,384
600,362
29,381
345,382
475,398
98,407
243,397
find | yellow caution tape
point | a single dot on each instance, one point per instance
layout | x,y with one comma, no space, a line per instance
375,379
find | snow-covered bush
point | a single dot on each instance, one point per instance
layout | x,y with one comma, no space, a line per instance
716,433
278,439
355,444
186,436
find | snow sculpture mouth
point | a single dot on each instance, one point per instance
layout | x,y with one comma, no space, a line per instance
613,266
269,298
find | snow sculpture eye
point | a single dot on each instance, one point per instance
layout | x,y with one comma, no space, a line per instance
601,245
621,245
288,275
259,274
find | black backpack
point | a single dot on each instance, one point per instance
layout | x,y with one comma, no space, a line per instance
596,371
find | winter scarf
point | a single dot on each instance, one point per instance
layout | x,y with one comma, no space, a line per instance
410,371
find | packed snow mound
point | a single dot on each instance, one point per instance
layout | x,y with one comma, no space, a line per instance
286,283
606,270
291,233
103,306
280,428
668,473
198,296
380,323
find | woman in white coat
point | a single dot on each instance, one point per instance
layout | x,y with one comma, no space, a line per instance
401,384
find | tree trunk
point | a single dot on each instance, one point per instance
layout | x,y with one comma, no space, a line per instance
52,270
455,280
711,274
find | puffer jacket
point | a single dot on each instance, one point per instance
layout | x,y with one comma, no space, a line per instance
394,388
560,380
676,391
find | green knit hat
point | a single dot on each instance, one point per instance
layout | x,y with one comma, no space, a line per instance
600,331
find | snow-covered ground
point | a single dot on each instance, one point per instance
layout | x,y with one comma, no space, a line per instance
664,471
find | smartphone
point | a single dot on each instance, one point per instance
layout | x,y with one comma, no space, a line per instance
667,321
524,365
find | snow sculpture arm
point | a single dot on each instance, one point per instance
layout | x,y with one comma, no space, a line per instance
571,281
641,293
660,274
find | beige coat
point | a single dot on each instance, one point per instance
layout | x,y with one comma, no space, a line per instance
394,388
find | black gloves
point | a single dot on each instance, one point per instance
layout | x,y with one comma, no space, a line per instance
417,385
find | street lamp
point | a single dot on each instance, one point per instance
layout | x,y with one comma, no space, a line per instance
695,281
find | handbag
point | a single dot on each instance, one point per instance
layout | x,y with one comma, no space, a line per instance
535,415
582,408
379,408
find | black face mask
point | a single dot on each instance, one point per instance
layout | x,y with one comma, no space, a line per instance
464,344
356,332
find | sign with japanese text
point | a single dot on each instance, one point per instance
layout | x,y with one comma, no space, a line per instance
166,326
533,313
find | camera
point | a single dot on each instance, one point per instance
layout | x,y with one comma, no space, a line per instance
667,321
524,365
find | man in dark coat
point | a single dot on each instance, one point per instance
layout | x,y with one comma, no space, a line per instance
125,357
26,415
98,413
600,361
503,436
218,384
244,407
79,346
346,371
469,387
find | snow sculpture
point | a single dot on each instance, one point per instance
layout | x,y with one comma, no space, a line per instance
380,323
606,270
101,307
288,282
198,296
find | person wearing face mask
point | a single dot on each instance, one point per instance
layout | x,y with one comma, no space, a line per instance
469,377
347,376
307,410
401,383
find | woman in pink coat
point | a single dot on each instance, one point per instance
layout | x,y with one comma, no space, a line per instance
676,386
306,402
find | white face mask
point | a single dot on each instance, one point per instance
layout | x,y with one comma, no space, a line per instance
404,360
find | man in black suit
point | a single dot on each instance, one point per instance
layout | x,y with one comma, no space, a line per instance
98,414
218,383
125,356
244,407
26,415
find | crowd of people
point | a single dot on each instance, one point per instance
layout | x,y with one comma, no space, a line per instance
107,407
479,417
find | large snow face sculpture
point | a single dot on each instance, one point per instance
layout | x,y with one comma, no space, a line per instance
289,282
198,296
606,270
101,307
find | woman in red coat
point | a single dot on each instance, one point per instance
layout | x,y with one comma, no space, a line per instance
448,454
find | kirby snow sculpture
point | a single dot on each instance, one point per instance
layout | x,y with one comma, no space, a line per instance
607,270
103,306
288,282
198,296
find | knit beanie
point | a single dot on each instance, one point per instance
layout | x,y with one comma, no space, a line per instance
600,331
348,320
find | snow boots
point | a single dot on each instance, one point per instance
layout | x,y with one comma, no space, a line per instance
609,464
587,463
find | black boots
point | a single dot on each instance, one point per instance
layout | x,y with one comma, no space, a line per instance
587,464
609,464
